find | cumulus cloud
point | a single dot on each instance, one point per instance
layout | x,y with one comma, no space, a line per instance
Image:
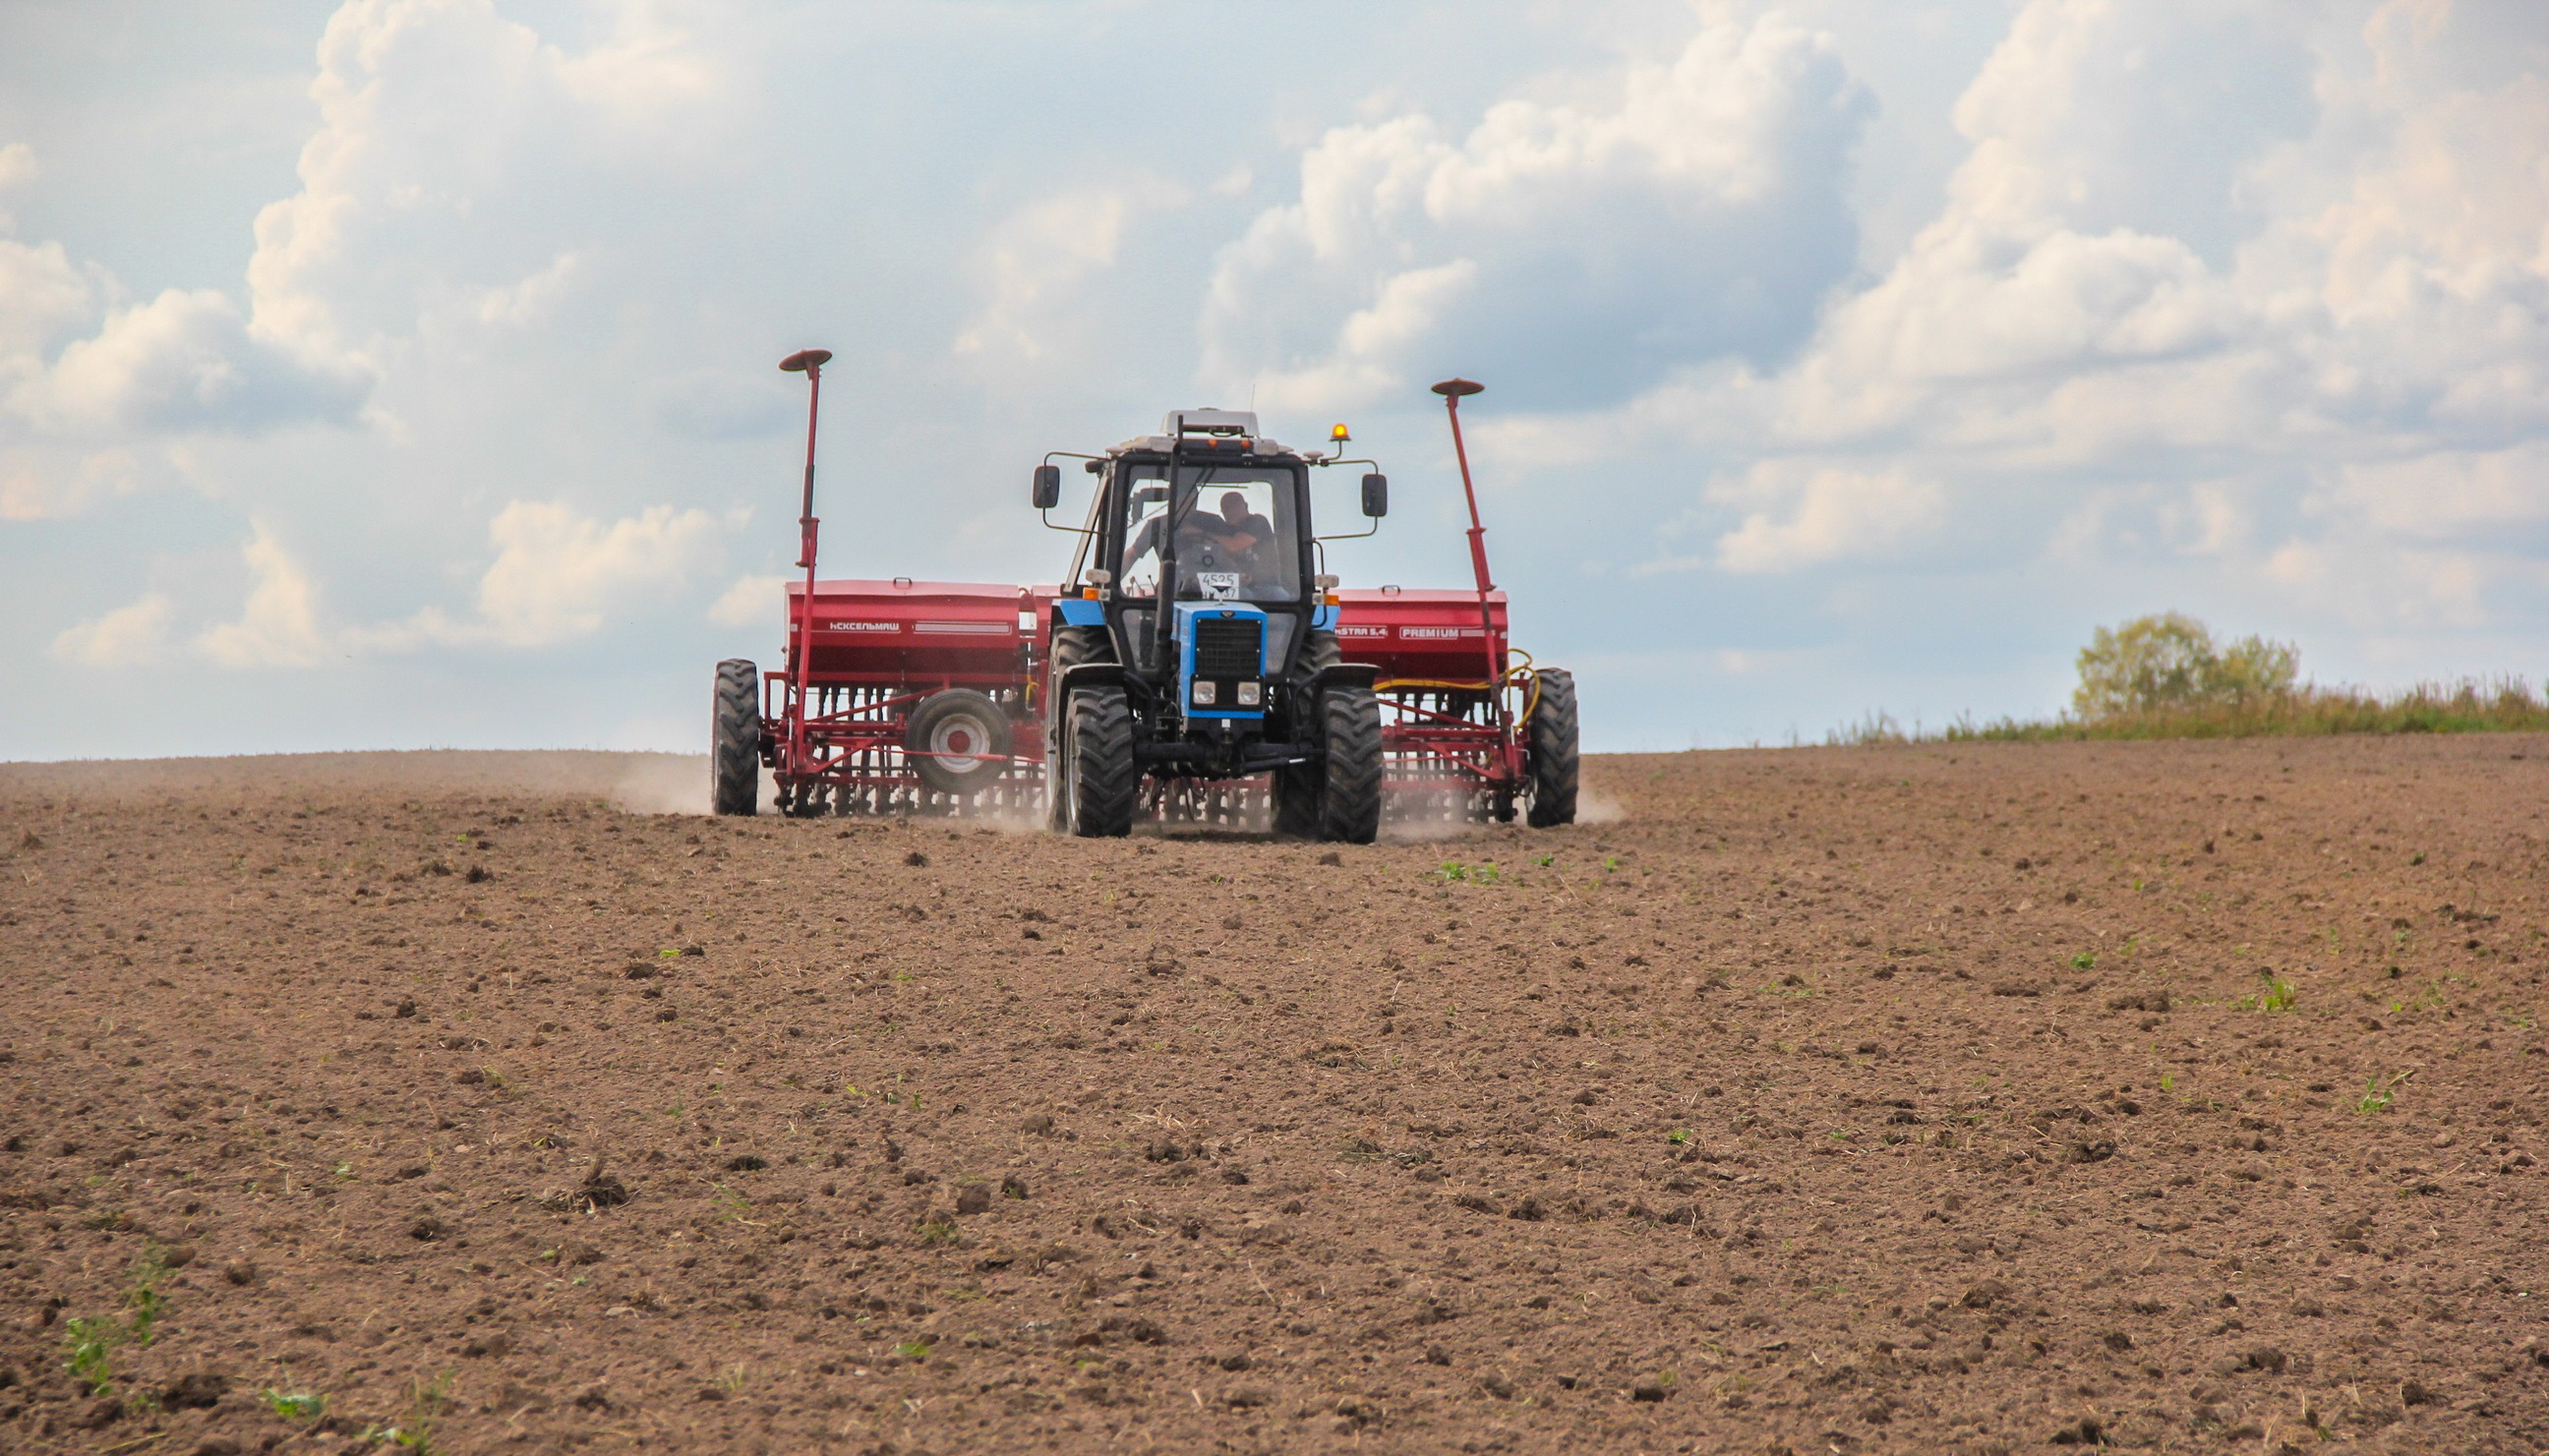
1802,514
87,376
278,625
1035,260
128,636
464,170
752,602
2234,281
1687,207
559,575
187,360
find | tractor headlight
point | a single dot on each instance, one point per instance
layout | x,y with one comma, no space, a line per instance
1203,692
1250,694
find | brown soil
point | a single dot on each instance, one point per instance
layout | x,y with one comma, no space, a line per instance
1856,1100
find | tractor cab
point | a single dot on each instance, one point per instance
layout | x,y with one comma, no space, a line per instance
1213,519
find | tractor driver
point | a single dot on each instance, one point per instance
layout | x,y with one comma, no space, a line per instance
1230,541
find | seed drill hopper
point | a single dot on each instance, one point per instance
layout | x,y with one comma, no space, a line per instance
1195,662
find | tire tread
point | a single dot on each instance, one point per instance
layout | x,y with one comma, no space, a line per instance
735,739
1556,762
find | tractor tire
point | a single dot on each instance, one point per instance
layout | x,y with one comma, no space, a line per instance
1349,773
1553,759
1071,646
735,740
1319,651
1296,785
959,742
1100,783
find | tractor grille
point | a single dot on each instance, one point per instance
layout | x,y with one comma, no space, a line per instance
1227,647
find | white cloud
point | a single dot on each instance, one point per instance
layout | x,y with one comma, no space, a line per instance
530,301
82,368
128,636
184,361
559,576
278,626
2290,283
1687,206
462,161
752,602
1036,263
1806,515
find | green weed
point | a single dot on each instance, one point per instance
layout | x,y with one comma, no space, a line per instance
2430,999
2378,1094
90,1351
1485,872
913,1350
90,1344
415,1430
935,1232
298,1405
2279,995
1677,1137
2085,961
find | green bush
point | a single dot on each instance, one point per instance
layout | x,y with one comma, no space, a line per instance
2158,663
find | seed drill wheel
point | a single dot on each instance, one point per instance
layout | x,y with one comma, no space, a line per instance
959,742
1552,755
1100,783
735,740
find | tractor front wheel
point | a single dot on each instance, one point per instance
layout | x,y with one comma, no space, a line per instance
1071,646
1298,785
735,740
1345,787
1099,785
1553,753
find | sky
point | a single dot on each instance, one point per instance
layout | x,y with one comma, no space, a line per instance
403,373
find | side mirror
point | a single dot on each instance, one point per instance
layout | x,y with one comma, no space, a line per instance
1048,488
1375,495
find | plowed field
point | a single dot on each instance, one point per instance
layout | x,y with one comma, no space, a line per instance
2181,1097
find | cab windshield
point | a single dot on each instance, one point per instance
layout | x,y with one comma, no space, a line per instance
1232,527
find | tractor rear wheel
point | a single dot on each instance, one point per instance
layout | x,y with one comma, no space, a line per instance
1553,753
959,741
1100,783
735,740
1296,785
1071,646
1349,774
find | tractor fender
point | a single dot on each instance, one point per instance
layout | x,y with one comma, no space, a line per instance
1344,674
1088,675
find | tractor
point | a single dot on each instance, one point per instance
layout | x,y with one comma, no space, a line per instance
1198,662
